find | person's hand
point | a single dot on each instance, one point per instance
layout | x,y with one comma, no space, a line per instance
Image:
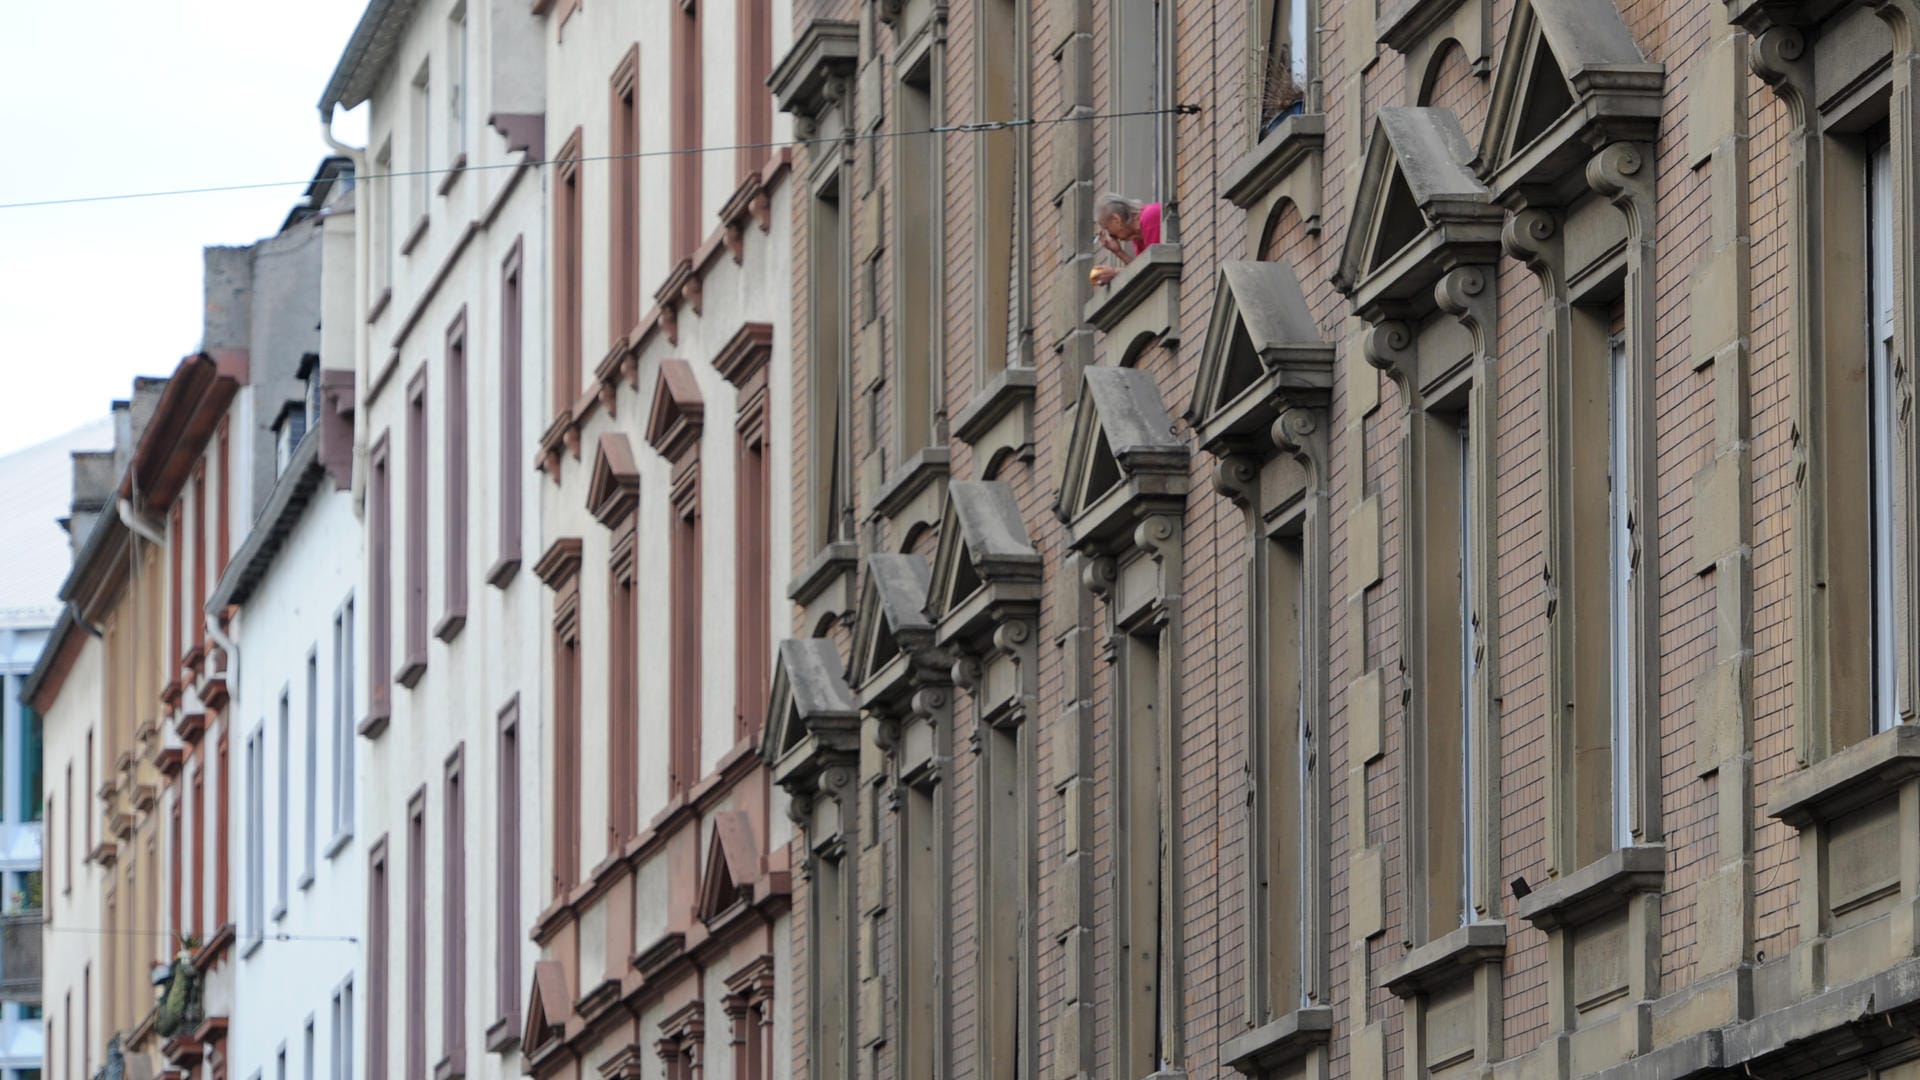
1103,274
1107,241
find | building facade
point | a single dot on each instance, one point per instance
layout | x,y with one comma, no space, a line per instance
663,457
286,602
1434,606
447,386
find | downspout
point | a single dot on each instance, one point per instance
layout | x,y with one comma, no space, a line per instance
141,527
80,620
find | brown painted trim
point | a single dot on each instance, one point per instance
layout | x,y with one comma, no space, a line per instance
414,235
512,341
379,588
568,273
678,412
623,194
455,483
378,1007
523,131
193,403
504,1033
454,172
379,305
686,99
453,910
413,663
746,353
416,935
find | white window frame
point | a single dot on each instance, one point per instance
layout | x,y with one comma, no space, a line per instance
1883,437
283,752
422,139
343,727
457,71
383,237
1620,587
256,840
1469,825
313,767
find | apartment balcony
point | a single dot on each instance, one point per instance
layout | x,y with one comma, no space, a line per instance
20,945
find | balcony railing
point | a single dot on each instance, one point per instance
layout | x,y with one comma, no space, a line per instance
20,946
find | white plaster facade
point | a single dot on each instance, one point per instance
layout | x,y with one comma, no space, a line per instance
465,226
295,705
71,963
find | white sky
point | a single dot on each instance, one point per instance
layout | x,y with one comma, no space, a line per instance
108,96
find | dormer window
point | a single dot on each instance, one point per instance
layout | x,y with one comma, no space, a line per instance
309,375
288,429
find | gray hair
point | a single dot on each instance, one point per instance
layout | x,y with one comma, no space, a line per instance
1111,204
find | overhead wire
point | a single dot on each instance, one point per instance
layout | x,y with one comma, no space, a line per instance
777,144
105,931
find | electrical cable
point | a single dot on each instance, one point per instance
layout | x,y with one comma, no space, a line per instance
101,931
944,129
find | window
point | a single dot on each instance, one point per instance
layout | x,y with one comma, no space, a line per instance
753,62
1285,49
1620,587
753,559
828,904
454,529
340,1047
1000,186
196,911
306,1051
623,278
417,933
685,579
453,908
1143,1034
379,585
196,616
283,746
414,663
457,86
176,598
342,747
288,429
1140,64
280,1063
568,356
511,462
311,788
565,581
918,221
1469,670
686,102
86,794
222,797
381,235
422,158
223,469
1889,495
830,321
507,877
623,705
32,749
920,932
378,930
256,840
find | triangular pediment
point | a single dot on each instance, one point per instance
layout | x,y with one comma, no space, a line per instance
548,1008
1418,211
892,613
678,410
983,542
1122,434
810,710
728,875
1570,79
613,489
1263,346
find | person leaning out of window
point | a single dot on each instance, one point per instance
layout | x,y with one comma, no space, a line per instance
1126,228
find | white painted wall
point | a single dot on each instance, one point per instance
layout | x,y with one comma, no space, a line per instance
73,905
496,657
287,980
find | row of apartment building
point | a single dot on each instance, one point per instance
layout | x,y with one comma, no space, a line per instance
1441,603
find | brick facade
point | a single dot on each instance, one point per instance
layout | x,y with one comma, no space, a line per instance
1696,180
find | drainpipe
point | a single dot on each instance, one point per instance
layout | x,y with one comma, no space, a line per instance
229,650
81,621
141,527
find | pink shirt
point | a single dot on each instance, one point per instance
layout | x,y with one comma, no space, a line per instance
1149,228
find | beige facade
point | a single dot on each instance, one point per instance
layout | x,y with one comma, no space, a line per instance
1443,609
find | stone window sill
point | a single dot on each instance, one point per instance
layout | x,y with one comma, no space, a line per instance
1445,960
822,570
1274,158
1600,887
414,236
1275,1044
1861,774
503,1035
1154,272
916,474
